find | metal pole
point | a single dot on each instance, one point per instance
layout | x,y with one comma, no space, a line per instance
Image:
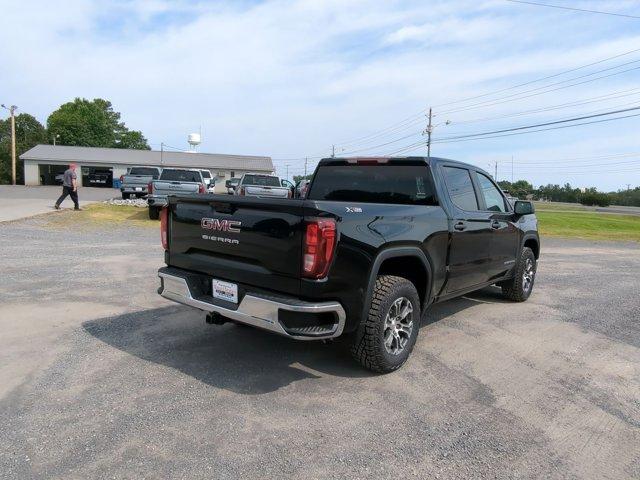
161,152
429,130
12,111
511,168
287,176
496,175
305,166
333,151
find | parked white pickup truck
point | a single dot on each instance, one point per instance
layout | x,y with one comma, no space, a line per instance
173,181
265,186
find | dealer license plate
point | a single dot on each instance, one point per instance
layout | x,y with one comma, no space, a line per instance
138,189
224,290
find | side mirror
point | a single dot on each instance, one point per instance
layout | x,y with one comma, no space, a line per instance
286,183
227,183
522,207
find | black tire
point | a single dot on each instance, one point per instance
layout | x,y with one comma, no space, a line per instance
125,196
368,344
154,213
519,288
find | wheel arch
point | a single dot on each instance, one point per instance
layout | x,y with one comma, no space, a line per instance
407,262
532,242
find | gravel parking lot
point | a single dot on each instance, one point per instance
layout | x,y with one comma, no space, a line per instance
102,378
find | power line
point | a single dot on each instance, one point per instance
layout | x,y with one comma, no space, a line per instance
574,159
573,8
583,115
520,95
600,98
412,120
539,130
540,79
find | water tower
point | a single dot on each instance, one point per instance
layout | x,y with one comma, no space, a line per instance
194,140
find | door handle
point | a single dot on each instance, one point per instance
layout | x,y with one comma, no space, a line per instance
495,224
460,226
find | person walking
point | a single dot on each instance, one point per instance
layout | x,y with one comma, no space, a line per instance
69,187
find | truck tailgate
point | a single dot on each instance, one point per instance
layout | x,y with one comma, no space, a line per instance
254,241
263,191
168,187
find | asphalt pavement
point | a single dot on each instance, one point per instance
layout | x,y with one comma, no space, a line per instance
102,378
20,201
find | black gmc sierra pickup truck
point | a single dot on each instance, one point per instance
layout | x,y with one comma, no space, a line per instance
374,243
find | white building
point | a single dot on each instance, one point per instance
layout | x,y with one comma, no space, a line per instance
44,162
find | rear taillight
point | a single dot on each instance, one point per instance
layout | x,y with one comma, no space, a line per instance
319,243
150,188
201,188
164,225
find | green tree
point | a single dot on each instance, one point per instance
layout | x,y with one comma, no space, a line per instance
29,133
519,189
132,139
93,124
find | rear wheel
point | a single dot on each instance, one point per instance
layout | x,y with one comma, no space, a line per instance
385,339
154,213
125,196
519,288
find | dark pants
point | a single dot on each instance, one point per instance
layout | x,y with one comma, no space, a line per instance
68,191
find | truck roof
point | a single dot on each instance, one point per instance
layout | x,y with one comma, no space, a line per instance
396,160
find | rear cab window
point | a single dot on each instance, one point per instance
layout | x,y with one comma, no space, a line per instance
181,176
394,182
149,172
261,180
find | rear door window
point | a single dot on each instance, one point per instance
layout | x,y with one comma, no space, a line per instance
460,188
385,183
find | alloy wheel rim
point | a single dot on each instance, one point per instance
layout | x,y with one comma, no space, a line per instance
527,275
398,326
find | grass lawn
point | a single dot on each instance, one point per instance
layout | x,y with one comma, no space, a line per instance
99,214
581,224
594,226
553,206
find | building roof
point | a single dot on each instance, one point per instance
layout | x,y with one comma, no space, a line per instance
121,156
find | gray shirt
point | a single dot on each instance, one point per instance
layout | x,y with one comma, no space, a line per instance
69,176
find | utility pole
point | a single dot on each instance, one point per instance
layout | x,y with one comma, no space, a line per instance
628,187
161,152
496,175
287,174
333,151
429,130
305,166
12,110
511,168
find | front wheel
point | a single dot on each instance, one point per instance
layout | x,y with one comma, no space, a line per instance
385,339
519,288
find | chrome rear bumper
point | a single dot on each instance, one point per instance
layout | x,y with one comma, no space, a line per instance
258,311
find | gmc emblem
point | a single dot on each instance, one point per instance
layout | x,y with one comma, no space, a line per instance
221,225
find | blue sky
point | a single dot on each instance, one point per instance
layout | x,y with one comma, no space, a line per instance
290,78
